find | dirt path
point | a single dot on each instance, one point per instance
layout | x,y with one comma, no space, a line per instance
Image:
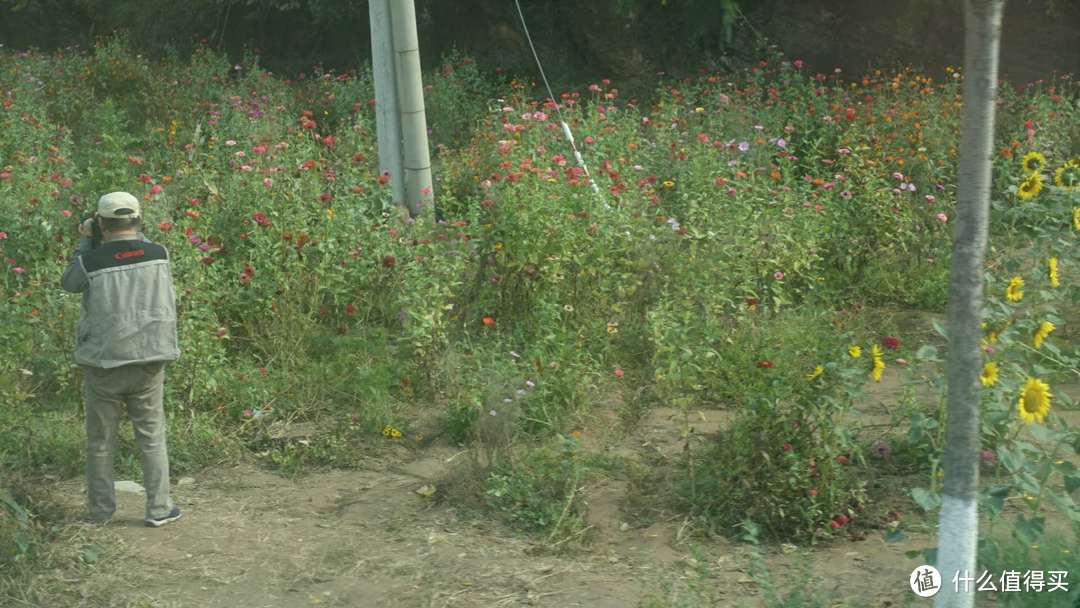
365,538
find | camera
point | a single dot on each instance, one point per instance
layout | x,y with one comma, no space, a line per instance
95,228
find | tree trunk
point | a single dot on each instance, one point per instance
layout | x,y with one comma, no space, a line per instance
958,526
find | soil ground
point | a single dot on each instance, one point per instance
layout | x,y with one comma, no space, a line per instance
362,538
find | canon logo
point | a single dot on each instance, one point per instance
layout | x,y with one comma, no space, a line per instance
129,254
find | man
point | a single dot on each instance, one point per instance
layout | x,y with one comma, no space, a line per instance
125,336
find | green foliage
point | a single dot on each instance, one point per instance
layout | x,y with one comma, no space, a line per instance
539,493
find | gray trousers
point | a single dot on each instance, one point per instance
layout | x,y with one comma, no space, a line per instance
138,390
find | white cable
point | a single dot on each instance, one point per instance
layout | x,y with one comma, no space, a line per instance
551,95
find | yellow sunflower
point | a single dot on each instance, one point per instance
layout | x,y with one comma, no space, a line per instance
1014,292
854,351
879,363
1034,402
1052,272
1033,162
817,372
1044,330
989,375
1030,187
1067,176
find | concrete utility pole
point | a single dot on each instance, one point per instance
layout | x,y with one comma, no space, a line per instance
410,88
387,119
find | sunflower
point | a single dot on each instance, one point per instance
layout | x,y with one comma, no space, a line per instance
1044,330
1034,402
992,333
1052,272
1033,162
1014,292
1030,187
1067,176
879,363
989,375
854,351
817,372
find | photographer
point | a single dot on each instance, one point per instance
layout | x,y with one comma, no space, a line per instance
125,336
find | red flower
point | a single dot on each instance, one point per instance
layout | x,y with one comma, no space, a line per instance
358,158
261,219
843,519
788,447
752,301
835,524
618,372
389,261
156,188
350,309
383,179
144,178
842,459
765,364
165,226
890,342
329,140
812,492
489,321
326,197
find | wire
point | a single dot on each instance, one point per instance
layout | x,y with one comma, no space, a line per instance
551,95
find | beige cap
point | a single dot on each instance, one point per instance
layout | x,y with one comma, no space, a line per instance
118,205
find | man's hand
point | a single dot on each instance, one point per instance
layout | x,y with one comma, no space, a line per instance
87,228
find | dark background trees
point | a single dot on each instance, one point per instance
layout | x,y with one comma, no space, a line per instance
582,40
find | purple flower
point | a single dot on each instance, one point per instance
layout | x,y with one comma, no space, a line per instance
744,146
782,143
845,194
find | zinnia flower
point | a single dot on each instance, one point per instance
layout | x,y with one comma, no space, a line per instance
890,342
1052,272
1030,187
1014,292
989,375
1044,330
1034,402
1033,162
765,364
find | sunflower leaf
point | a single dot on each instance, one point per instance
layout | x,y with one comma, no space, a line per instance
927,500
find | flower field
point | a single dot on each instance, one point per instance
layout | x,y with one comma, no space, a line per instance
755,243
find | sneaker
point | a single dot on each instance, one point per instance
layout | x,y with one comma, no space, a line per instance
161,521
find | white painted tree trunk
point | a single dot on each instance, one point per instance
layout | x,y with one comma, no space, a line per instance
958,524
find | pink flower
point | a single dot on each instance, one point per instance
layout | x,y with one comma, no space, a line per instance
798,63
930,199
248,413
156,188
230,142
779,276
618,372
3,235
18,270
942,217
268,182
66,212
260,219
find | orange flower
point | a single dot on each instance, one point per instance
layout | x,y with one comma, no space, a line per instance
489,321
